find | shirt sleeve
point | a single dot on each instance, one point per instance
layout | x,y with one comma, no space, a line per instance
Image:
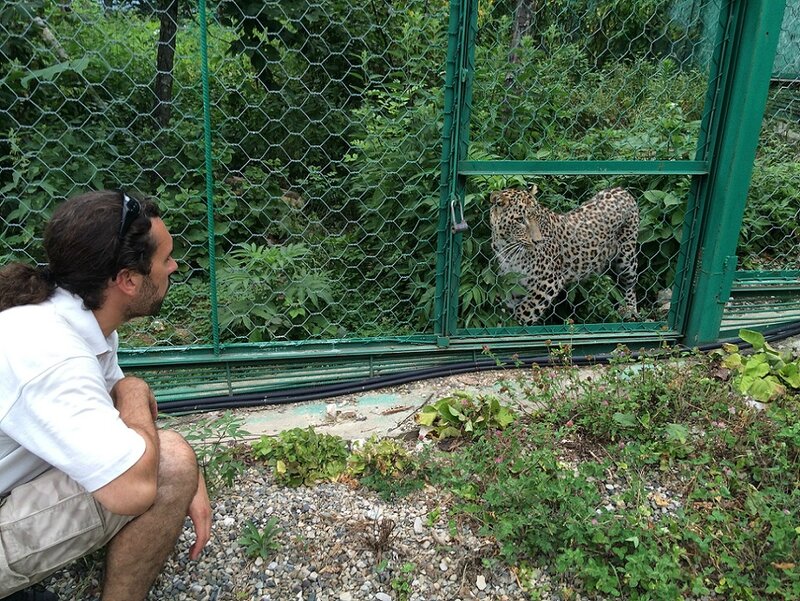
67,418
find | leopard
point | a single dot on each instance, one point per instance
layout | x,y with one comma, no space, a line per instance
550,250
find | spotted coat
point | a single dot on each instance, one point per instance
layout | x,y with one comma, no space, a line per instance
550,250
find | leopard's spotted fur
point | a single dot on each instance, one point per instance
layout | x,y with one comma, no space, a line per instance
550,250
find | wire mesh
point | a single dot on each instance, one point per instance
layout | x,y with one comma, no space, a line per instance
326,129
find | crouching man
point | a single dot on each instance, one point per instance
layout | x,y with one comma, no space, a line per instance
82,464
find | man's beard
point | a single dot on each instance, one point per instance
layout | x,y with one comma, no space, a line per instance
149,302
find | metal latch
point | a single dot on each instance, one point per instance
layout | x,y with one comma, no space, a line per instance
459,223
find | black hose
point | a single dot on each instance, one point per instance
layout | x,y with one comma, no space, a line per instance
310,393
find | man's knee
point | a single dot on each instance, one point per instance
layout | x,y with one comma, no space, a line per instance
177,461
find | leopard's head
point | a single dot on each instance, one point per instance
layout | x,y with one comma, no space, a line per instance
514,216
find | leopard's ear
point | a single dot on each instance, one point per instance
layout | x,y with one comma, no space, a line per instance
533,190
533,229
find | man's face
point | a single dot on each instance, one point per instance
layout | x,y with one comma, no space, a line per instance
154,286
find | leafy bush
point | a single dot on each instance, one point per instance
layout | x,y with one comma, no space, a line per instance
217,443
268,292
766,373
300,456
383,456
464,414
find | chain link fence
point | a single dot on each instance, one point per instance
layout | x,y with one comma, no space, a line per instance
326,142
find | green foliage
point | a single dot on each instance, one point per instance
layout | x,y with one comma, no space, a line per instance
384,465
269,291
383,456
731,528
217,444
401,584
302,457
353,124
261,543
765,374
464,414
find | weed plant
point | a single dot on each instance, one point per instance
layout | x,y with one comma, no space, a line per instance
217,442
262,542
302,456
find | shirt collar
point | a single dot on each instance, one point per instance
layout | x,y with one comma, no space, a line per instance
70,307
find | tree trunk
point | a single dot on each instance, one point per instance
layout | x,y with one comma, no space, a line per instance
523,19
168,15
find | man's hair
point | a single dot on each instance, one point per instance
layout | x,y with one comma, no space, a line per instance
84,251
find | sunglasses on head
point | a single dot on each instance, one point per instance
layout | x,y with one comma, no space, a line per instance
130,211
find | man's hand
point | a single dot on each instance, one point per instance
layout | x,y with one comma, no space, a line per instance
200,514
129,394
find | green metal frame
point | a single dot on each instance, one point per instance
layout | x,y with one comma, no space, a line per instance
745,58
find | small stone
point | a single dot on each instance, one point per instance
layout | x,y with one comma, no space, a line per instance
330,412
418,528
443,565
382,597
345,596
480,582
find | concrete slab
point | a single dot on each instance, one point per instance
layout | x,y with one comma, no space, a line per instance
384,412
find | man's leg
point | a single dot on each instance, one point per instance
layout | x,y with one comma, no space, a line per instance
136,555
46,524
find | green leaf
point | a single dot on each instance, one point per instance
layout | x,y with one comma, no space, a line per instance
626,420
756,339
49,73
790,373
427,416
677,432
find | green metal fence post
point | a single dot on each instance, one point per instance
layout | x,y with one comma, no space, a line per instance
455,141
753,43
212,269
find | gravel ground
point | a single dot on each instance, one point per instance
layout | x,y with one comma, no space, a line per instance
335,543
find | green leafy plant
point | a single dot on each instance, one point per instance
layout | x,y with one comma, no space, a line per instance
464,414
385,466
764,374
384,456
401,583
217,442
269,291
262,542
302,456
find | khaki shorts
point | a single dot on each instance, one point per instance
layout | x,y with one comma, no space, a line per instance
46,524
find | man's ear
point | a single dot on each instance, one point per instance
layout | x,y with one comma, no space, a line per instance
127,281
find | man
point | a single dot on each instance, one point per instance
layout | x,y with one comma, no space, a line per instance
82,464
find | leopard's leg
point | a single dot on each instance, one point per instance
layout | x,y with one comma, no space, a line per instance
625,267
537,301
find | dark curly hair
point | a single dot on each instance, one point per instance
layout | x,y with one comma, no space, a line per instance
84,251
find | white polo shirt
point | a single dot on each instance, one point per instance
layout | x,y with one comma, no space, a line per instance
56,372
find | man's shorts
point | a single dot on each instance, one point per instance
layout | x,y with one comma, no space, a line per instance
47,524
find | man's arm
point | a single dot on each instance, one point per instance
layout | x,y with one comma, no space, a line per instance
134,491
